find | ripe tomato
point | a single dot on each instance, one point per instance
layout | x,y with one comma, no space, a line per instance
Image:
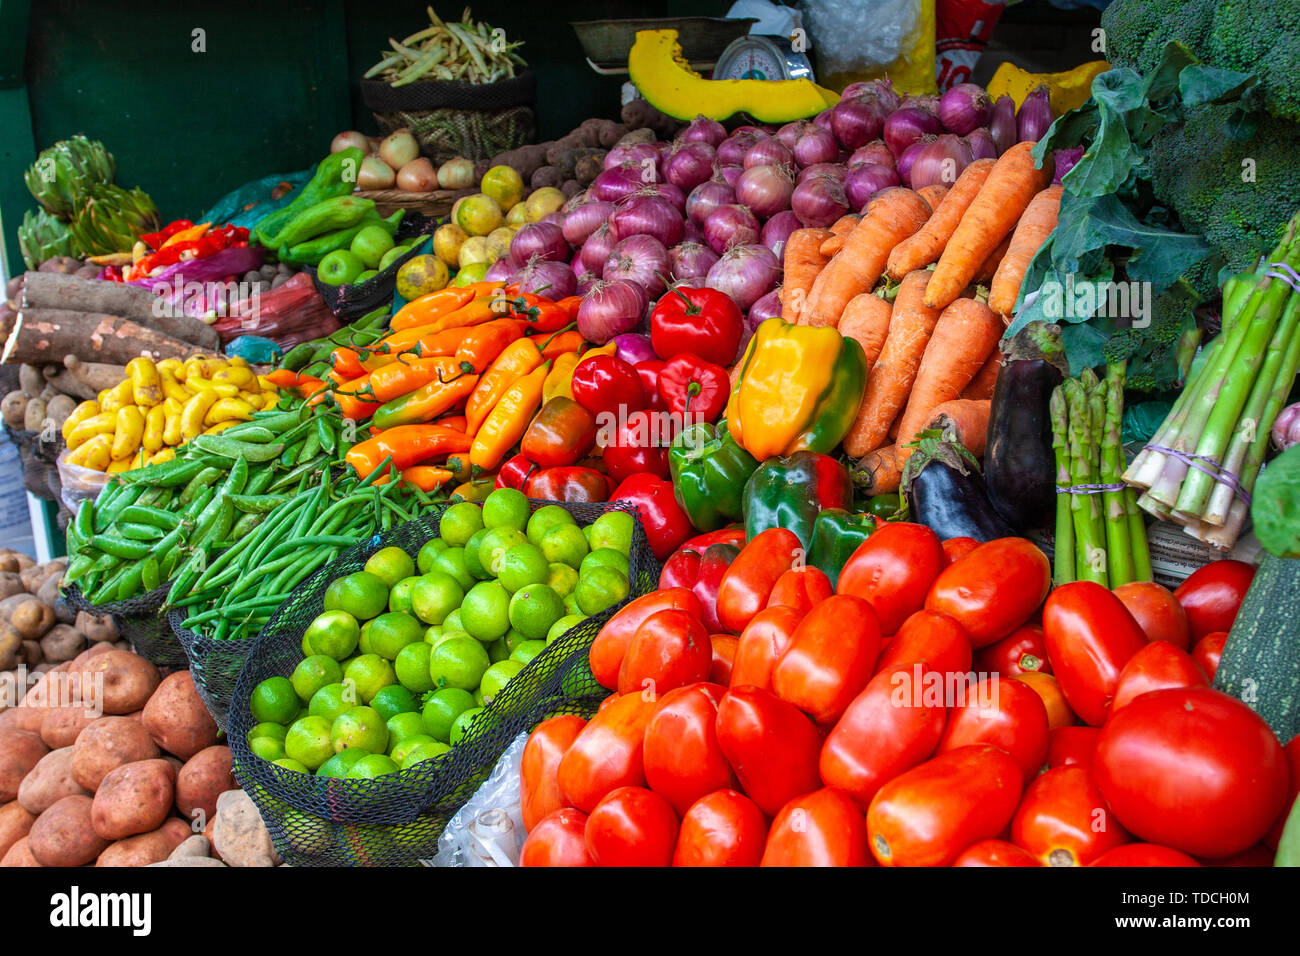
669,650
934,638
1063,821
723,828
607,701
1090,636
992,590
1212,595
1157,612
956,548
1158,665
772,746
683,761
610,645
1004,713
724,657
1143,854
928,815
890,727
765,638
559,839
1257,855
1071,746
1049,692
749,580
1021,651
995,853
1293,760
632,826
539,791
1209,651
830,658
822,828
892,570
1194,769
607,753
802,588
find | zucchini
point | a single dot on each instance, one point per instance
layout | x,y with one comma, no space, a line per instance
1288,848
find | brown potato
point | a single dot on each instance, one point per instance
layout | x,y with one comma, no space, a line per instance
97,629
10,584
176,718
15,821
49,782
57,687
11,646
127,681
64,836
62,643
32,618
49,594
94,650
134,798
32,654
20,751
23,718
107,744
205,777
62,725
20,854
145,848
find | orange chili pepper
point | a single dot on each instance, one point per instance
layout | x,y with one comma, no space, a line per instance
406,375
481,347
346,362
283,378
426,403
561,342
570,305
425,345
347,396
407,445
509,419
304,386
424,477
453,421
517,359
483,309
541,313
429,307
475,490
460,466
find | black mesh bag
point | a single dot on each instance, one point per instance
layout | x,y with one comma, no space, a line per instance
38,458
395,820
141,621
351,302
213,664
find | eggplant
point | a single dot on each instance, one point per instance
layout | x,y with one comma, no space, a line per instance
1019,463
946,493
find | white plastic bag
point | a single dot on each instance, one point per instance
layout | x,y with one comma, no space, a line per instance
489,829
773,19
78,483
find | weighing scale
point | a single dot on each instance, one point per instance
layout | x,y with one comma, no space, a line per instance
758,57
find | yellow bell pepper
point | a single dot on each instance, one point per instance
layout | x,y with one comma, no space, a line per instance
1067,90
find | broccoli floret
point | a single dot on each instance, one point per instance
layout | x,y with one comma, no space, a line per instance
1152,353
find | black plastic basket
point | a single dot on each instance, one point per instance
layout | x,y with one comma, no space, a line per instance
351,302
397,819
141,621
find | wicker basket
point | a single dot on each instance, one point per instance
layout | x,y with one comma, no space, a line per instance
435,205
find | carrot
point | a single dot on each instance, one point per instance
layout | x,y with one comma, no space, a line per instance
891,216
992,215
1035,225
880,471
964,420
967,331
910,326
866,319
918,251
981,386
933,195
893,426
990,265
803,263
839,229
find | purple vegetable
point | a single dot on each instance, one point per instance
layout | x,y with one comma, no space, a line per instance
703,130
731,225
555,280
1065,160
1035,116
688,164
981,144
539,240
964,107
1002,124
707,197
857,122
746,273
634,348
865,181
777,230
639,259
690,259
908,124
583,219
816,145
874,152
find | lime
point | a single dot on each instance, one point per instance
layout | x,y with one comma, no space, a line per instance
479,702
339,764
513,639
268,748
566,544
313,673
571,605
432,634
521,566
452,622
392,631
458,662
363,640
547,517
412,667
407,744
459,522
497,650
390,565
308,742
361,594
267,729
289,764
485,611
436,595
432,548
371,766
534,609
393,700
369,674
496,543
496,677
600,588
561,579
307,649
442,708
332,700
276,701
403,726
471,555
613,529
506,508
605,558
425,752
452,562
399,598
361,728
526,651
460,726
564,624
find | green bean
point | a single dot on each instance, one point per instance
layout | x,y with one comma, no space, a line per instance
168,474
137,531
119,547
234,448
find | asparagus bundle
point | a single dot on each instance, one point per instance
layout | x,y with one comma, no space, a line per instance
1199,468
1100,533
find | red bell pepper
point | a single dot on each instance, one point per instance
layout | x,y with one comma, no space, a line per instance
636,448
516,471
701,572
155,239
561,434
683,566
605,383
666,525
568,483
649,371
694,389
702,322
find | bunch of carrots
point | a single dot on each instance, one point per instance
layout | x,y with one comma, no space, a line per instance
925,282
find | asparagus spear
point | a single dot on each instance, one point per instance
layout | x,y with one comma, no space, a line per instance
1137,533
1064,554
1119,549
1089,534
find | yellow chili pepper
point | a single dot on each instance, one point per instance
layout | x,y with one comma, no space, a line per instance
128,433
186,235
509,419
560,380
195,411
146,385
155,421
87,409
519,358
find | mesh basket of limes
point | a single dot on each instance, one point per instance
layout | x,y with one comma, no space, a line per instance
377,699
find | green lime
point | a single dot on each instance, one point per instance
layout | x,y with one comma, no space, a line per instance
403,726
599,589
393,700
392,631
544,519
534,609
425,752
479,702
514,637
308,742
334,633
506,508
313,673
361,594
526,651
496,677
522,565
332,700
452,622
496,543
371,766
485,611
613,529
363,640
497,650
605,558
563,625
460,726
289,764
565,544
433,633
571,605
458,662
268,748
267,729
307,649
412,667
452,562
369,674
472,557
361,728
561,579
459,522
407,744
390,565
340,763
276,701
443,707
436,595
399,598
432,548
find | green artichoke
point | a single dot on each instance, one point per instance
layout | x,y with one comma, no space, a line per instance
63,174
112,219
41,237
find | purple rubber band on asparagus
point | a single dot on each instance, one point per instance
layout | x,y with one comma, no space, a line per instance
1216,471
1090,489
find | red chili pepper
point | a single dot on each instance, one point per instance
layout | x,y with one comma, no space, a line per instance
695,389
570,483
666,524
649,371
561,434
515,472
156,239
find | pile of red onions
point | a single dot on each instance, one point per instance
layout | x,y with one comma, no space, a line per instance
746,273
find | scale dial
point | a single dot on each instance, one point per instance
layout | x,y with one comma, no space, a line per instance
757,57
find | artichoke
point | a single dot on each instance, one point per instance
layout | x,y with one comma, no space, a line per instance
63,174
41,237
112,219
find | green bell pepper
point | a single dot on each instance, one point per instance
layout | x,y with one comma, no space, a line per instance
709,473
312,251
790,492
836,535
336,175
884,506
328,215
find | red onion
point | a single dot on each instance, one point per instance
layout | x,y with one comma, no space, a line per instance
908,124
1034,117
865,181
1002,124
730,174
965,107
585,279
728,226
690,259
1064,160
539,240
692,233
819,200
765,190
768,307
707,197
664,191
616,183
556,217
733,149
874,152
647,216
583,219
634,348
500,271
857,122
688,164
555,280
777,230
928,102
746,273
981,144
597,248
789,133
639,259
823,119
1286,428
829,169
909,157
703,130
768,152
816,145
610,309
881,89
633,154
940,162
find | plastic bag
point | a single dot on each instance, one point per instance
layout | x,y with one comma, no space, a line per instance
773,19
78,483
963,29
292,313
489,830
856,40
251,201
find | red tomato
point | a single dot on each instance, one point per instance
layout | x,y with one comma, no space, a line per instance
607,754
1193,769
1143,854
934,638
539,790
749,580
954,549
724,658
1158,665
1063,821
683,761
1071,746
1021,651
801,588
891,726
1004,713
610,645
771,745
607,701
559,839
928,815
822,828
992,590
1292,751
764,640
723,828
995,853
892,570
1090,636
830,658
632,826
1049,692
669,650
1257,855
1209,651
1157,612
1212,595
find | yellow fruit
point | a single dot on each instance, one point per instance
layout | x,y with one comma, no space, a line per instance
504,185
473,251
518,214
468,275
542,202
447,240
479,215
421,275
498,242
